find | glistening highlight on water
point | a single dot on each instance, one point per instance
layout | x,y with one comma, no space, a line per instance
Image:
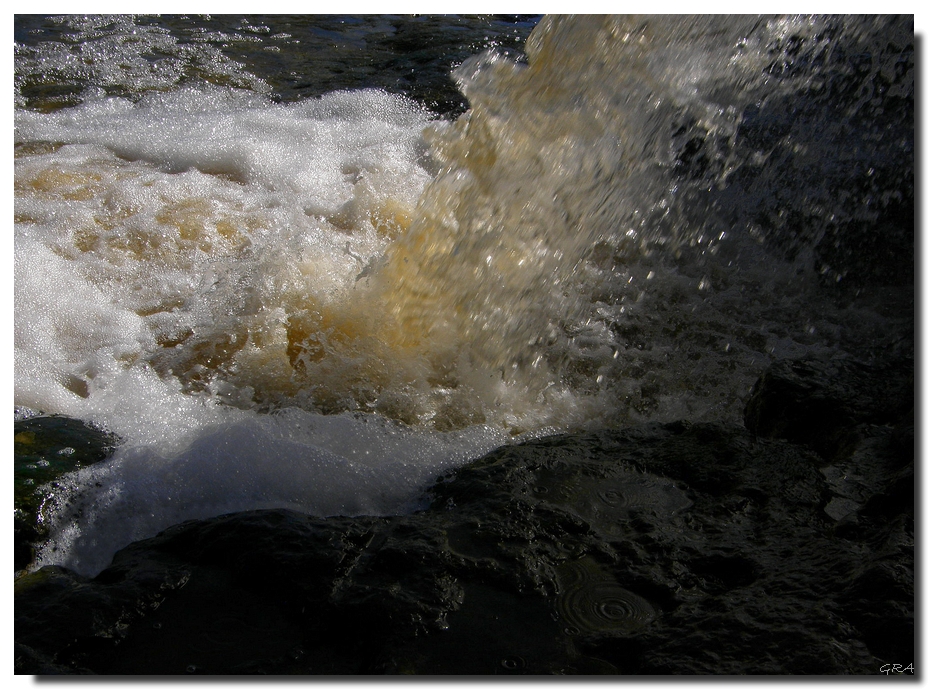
324,303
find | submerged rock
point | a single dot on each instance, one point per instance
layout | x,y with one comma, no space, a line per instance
660,549
44,449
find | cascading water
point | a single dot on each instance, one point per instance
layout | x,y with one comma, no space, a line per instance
325,303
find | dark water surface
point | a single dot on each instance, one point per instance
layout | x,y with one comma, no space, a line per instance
296,56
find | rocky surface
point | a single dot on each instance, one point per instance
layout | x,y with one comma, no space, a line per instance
44,449
782,547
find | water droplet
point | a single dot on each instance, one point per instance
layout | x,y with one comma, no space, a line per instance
512,663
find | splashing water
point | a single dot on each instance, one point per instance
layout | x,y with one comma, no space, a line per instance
325,303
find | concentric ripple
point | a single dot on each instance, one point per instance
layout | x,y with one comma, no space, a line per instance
614,497
592,602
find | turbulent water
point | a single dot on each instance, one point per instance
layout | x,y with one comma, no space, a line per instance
316,262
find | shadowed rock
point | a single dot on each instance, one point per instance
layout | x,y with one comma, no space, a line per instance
660,549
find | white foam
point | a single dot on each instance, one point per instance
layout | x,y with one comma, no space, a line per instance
196,214
67,333
189,261
195,211
322,465
316,149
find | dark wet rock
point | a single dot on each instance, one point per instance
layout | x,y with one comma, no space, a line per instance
44,449
825,404
660,549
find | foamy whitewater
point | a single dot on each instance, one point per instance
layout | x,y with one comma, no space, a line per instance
325,304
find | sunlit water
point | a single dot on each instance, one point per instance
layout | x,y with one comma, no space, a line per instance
285,295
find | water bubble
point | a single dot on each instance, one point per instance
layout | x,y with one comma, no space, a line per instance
512,663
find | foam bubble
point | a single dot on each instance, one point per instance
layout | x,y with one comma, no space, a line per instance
190,259
175,234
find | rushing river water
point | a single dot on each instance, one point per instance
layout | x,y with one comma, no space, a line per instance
314,262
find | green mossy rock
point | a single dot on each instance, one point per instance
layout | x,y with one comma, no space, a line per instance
45,448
